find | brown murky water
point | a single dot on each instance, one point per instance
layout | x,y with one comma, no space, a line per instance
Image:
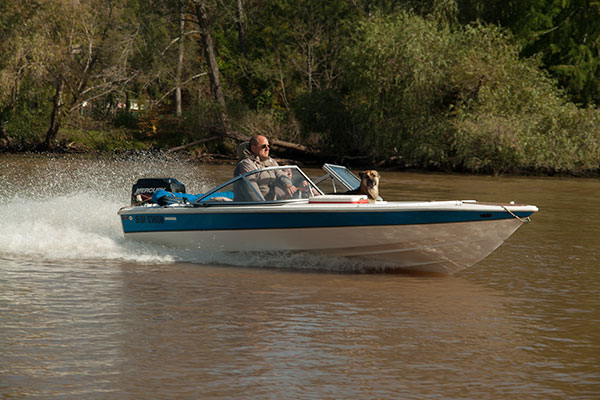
86,315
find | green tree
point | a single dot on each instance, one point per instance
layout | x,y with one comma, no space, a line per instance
86,52
565,33
19,68
438,96
292,47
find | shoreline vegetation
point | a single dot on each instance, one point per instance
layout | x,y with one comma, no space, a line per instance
432,85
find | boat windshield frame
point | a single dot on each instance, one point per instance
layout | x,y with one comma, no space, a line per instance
341,175
202,202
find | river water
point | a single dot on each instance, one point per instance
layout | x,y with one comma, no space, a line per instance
85,314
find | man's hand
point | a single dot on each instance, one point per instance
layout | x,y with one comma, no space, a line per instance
290,190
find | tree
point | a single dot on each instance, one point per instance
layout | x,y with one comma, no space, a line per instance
291,48
208,48
18,64
161,61
86,58
564,33
180,54
241,23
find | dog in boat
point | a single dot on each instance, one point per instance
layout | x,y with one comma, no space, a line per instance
369,185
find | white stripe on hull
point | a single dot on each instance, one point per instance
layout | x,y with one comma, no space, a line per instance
448,247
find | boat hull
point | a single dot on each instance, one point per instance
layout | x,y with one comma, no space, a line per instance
446,239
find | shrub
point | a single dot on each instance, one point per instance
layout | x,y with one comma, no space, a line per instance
459,99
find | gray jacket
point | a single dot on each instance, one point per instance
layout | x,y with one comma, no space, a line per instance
265,182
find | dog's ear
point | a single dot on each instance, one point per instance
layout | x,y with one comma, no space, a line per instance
362,174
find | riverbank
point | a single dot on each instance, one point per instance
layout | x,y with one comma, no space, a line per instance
199,154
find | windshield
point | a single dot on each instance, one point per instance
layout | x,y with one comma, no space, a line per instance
341,176
264,185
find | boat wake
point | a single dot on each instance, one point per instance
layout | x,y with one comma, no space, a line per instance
75,226
83,226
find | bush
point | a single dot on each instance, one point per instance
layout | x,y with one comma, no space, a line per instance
28,122
519,120
324,112
458,99
125,119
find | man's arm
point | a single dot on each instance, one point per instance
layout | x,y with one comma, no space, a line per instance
285,183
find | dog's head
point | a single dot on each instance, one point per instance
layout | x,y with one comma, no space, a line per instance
370,178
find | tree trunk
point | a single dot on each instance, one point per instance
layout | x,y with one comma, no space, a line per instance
208,47
55,117
3,134
309,66
3,120
178,110
241,27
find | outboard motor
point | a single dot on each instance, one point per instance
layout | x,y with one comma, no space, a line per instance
143,189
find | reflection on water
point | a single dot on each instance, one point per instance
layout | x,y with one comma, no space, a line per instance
87,315
137,329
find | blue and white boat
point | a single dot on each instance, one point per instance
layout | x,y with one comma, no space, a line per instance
436,236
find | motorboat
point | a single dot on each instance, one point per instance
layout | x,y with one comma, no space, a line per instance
254,213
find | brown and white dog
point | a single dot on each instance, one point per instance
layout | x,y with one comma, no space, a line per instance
369,185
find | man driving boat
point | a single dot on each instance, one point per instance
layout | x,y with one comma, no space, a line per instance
256,156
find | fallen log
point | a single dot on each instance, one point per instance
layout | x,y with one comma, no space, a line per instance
281,145
194,143
291,146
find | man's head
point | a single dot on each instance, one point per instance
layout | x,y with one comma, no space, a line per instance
259,146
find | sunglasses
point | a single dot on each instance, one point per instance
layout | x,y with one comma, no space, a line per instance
265,146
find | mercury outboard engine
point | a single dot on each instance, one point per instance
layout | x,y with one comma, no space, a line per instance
143,189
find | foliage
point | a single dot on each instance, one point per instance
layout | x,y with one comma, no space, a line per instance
396,85
565,33
520,121
463,85
461,99
27,120
325,112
